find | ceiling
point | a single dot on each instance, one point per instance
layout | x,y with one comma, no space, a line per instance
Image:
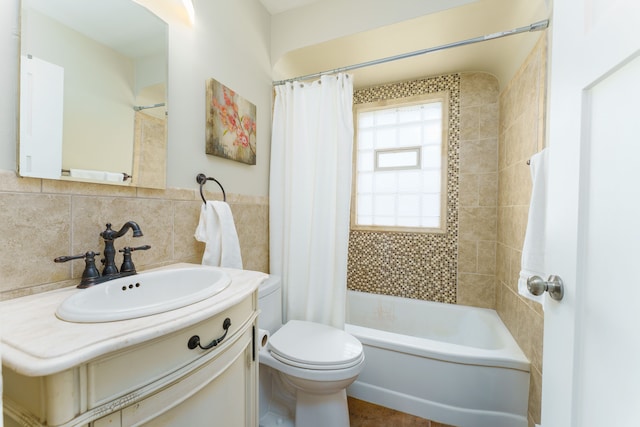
278,6
501,57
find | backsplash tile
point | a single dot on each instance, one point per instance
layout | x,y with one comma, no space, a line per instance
36,228
45,219
185,220
252,221
154,216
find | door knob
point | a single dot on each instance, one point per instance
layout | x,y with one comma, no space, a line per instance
537,285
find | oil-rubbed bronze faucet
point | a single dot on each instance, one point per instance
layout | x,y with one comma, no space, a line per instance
91,276
109,236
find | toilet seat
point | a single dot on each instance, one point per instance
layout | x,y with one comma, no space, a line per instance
315,346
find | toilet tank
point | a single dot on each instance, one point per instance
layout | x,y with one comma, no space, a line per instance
270,304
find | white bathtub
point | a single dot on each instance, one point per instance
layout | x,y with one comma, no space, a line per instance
449,363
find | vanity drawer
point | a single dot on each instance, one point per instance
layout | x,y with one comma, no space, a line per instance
123,372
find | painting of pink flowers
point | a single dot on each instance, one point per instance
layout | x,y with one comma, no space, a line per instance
231,124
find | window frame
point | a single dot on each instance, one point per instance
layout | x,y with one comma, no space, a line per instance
442,97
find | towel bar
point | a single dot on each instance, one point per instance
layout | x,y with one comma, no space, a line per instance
202,180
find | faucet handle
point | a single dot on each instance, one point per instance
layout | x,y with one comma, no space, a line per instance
90,272
127,263
90,255
71,257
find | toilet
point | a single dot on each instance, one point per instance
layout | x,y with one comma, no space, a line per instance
305,367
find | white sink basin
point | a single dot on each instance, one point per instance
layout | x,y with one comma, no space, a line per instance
143,294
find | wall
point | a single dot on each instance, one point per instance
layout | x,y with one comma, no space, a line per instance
48,218
306,26
229,42
216,46
43,219
427,265
522,123
413,265
498,133
478,189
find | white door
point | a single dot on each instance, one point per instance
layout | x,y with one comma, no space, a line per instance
591,372
41,118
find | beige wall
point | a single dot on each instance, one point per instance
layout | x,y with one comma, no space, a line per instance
196,53
306,26
44,219
522,106
498,133
459,265
412,265
478,189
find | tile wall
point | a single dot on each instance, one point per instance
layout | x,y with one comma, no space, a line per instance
522,130
478,189
413,265
498,132
43,219
428,265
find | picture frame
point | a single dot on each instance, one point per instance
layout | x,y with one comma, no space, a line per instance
230,124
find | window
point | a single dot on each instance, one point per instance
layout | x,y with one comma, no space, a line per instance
400,164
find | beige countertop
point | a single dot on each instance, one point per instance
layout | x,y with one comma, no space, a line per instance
36,343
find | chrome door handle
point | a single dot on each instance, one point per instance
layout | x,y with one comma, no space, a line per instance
537,285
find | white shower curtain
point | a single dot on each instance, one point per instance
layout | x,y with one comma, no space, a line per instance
310,195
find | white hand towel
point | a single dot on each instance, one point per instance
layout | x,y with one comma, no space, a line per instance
113,176
217,229
87,174
534,240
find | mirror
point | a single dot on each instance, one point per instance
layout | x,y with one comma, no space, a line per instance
93,77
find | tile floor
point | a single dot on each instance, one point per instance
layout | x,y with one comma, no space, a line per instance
365,414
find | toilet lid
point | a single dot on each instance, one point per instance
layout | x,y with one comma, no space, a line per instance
315,346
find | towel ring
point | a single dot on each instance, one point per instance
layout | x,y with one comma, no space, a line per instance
202,180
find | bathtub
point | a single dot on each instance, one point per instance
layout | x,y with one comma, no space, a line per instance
453,364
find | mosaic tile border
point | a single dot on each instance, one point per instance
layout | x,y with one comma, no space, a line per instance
412,265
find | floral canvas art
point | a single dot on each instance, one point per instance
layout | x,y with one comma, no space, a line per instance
231,124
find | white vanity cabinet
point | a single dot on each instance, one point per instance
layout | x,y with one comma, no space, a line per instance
150,377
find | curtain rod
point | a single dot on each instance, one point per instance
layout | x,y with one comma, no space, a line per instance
146,107
536,26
